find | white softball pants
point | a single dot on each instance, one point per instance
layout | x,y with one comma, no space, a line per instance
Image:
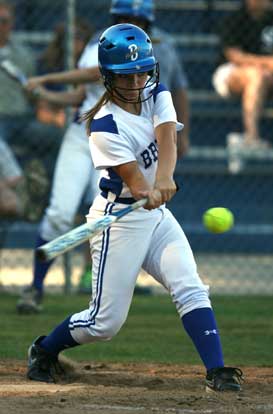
74,174
152,240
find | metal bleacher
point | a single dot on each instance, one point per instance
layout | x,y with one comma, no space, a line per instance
203,175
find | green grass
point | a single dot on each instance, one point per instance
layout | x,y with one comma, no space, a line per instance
152,332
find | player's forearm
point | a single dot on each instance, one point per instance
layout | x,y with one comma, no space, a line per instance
139,187
133,177
73,76
167,149
67,98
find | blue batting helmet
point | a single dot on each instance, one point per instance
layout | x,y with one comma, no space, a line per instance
125,48
142,9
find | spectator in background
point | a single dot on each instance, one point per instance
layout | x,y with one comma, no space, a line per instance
15,108
246,65
16,112
21,180
13,100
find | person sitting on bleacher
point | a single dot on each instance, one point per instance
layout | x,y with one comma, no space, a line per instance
14,111
16,116
246,66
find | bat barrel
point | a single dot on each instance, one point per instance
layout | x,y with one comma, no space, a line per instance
73,238
49,251
82,233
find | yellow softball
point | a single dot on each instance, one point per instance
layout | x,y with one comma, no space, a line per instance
218,220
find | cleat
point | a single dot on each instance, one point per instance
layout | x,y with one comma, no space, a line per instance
41,365
30,301
224,379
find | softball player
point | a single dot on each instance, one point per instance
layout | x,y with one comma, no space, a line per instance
133,144
70,182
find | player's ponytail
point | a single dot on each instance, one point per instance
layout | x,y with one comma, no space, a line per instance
89,115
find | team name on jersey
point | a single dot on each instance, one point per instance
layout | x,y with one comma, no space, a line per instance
150,155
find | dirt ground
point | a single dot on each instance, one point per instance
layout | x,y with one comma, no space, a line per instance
99,388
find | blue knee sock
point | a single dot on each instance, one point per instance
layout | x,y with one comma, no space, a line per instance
40,268
59,339
201,326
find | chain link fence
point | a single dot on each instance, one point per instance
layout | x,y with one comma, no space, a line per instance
238,262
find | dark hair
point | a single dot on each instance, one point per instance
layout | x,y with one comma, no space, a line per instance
53,56
89,115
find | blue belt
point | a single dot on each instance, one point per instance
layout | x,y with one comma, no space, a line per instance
122,200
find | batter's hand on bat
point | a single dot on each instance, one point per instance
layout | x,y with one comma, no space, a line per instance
167,188
154,198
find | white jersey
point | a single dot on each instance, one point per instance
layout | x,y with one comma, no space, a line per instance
118,137
94,90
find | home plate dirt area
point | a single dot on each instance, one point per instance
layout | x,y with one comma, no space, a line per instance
110,388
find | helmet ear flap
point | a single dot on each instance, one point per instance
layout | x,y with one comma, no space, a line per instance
154,73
